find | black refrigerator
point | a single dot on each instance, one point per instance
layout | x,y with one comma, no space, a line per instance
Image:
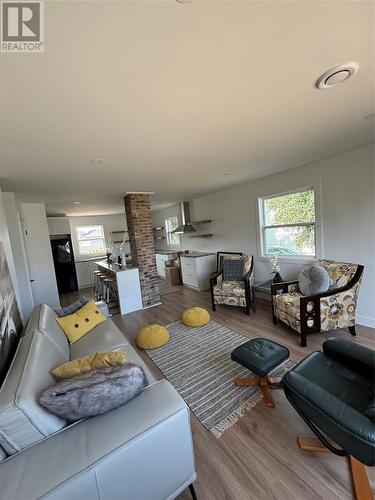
63,259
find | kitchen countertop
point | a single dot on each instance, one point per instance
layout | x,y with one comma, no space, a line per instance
90,259
194,255
114,267
166,252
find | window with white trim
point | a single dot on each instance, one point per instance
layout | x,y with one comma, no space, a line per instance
91,240
287,224
170,225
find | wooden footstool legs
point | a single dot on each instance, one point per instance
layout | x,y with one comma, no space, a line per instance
265,384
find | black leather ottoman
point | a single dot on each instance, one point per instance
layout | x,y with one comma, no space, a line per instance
261,356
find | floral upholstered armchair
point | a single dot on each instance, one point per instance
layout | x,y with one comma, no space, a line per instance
322,312
233,292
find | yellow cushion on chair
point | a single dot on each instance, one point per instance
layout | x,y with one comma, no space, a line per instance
152,337
195,316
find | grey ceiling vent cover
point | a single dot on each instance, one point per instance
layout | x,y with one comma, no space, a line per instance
336,75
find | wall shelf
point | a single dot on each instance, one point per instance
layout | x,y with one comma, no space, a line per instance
120,241
208,235
117,232
198,222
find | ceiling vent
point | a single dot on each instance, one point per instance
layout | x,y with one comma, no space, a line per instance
336,75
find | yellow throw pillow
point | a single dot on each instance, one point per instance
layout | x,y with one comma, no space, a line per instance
88,363
81,322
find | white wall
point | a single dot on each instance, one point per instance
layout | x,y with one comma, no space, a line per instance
39,254
19,255
110,223
344,187
4,238
158,220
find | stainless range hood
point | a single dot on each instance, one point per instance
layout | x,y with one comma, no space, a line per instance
185,226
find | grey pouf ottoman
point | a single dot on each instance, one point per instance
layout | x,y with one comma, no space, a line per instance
261,356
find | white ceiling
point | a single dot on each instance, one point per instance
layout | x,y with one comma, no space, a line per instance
175,95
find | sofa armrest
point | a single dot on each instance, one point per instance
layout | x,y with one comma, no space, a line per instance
110,452
284,286
355,356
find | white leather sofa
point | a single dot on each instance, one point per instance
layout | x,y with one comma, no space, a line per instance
140,451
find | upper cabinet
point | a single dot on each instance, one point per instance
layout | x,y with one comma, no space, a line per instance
58,225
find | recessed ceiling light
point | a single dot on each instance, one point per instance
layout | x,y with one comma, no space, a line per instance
336,75
97,160
226,173
76,202
369,116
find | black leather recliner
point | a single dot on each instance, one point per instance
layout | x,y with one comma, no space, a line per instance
333,391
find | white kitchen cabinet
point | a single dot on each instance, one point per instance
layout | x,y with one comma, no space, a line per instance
50,228
160,263
197,269
58,225
85,273
92,267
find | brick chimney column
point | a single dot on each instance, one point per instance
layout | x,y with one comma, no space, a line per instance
142,245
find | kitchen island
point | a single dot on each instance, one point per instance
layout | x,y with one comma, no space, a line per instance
128,285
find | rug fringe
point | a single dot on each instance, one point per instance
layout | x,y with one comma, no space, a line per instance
233,418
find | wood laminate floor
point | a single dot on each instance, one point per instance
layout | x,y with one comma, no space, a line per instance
257,458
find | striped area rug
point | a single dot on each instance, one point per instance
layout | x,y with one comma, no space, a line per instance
197,363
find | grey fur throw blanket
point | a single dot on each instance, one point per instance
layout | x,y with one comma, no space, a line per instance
95,392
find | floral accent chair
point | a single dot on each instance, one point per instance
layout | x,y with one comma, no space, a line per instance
322,312
233,293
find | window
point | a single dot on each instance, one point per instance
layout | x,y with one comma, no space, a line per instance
91,240
287,224
170,225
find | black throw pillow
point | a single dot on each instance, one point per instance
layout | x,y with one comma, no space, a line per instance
233,269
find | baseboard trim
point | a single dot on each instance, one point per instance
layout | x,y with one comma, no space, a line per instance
153,305
365,321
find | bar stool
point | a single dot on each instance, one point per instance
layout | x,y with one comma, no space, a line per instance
101,288
96,285
110,285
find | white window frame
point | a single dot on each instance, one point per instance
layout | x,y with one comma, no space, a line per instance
85,254
168,232
262,227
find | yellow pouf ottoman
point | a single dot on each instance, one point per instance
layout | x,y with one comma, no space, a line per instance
195,316
152,337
